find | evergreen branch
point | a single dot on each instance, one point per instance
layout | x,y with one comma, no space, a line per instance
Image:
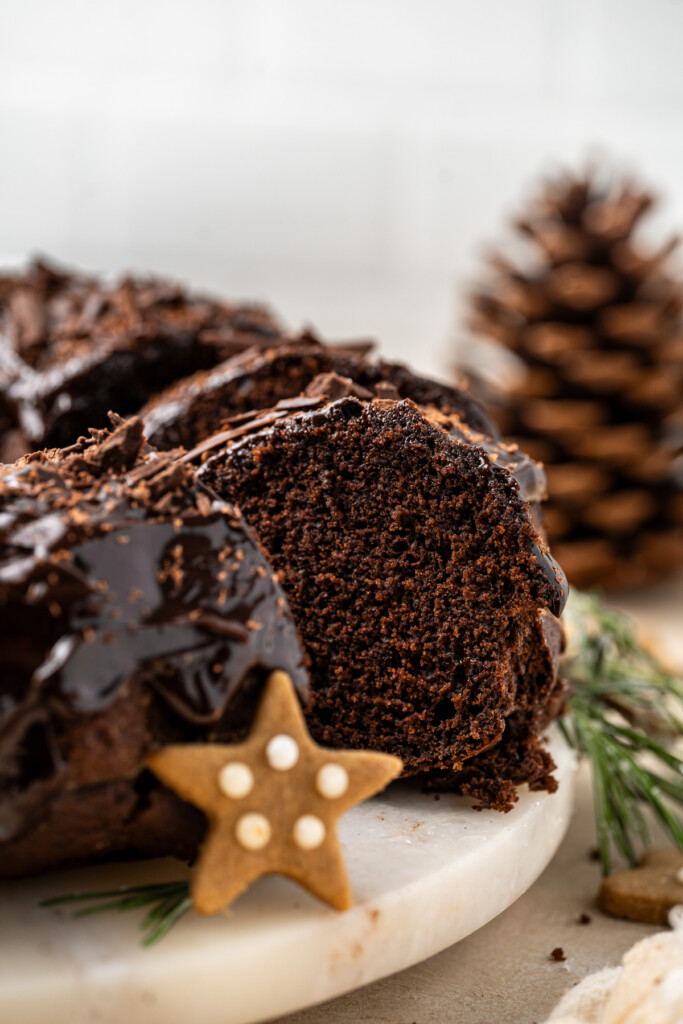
169,901
625,716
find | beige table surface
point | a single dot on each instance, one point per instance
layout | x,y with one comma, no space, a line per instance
504,973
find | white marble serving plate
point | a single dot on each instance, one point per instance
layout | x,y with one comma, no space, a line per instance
425,874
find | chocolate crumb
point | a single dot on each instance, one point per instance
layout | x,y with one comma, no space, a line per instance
358,504
558,955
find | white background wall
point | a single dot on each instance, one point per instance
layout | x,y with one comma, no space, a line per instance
347,160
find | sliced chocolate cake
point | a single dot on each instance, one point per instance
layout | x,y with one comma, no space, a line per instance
425,596
195,408
136,609
73,347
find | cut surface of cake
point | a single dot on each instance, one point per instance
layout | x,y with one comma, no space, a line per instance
73,347
136,609
192,409
426,598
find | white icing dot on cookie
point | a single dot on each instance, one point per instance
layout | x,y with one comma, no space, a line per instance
253,831
332,781
282,752
236,780
309,832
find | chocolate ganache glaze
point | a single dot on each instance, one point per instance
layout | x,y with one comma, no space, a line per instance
120,574
198,406
73,346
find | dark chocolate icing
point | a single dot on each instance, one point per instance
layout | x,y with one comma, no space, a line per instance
72,347
114,565
201,405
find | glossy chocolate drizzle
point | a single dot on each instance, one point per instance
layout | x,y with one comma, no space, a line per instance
73,346
114,565
202,404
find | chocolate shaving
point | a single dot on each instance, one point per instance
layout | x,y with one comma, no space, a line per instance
222,626
333,386
361,347
250,424
385,389
27,319
121,448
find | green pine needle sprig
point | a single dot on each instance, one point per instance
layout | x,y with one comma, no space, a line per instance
625,716
168,902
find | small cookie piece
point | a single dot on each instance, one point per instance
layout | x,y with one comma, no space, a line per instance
646,893
268,811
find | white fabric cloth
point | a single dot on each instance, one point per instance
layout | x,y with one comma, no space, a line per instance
646,989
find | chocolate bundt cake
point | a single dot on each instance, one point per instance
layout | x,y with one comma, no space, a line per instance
136,609
194,408
73,347
386,546
426,598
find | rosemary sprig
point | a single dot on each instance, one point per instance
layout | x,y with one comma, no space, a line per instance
625,716
168,901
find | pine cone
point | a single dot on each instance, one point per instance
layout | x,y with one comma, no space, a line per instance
597,330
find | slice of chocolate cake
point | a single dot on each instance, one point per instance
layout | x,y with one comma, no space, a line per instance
73,347
425,596
195,408
136,609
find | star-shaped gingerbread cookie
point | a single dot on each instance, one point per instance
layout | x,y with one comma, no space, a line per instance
273,802
646,893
